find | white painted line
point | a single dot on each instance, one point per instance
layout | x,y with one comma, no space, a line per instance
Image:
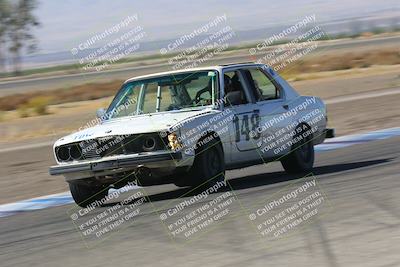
37,203
49,201
349,140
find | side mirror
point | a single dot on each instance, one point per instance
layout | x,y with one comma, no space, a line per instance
100,113
233,98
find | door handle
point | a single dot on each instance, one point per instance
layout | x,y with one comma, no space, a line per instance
285,106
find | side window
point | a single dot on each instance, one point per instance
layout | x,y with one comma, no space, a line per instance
263,87
234,90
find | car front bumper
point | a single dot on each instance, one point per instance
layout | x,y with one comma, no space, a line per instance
116,164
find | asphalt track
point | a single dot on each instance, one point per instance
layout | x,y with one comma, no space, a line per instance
359,226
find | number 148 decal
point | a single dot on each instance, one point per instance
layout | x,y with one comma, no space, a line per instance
246,123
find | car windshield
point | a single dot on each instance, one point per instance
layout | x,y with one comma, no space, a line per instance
165,93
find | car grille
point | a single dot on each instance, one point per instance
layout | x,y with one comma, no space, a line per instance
110,146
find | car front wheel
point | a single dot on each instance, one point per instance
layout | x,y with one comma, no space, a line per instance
208,166
84,195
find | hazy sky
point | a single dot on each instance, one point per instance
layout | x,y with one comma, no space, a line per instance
67,23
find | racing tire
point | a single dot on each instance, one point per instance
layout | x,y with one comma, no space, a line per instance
208,167
301,157
84,195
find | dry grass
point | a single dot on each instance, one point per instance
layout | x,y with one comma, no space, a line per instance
23,111
38,100
37,105
350,60
325,63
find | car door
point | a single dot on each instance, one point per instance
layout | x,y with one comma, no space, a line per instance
272,107
245,117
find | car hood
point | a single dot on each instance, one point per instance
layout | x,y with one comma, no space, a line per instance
147,123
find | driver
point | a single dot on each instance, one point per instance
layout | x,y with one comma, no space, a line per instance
206,89
228,84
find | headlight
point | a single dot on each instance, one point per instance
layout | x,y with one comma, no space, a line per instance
75,152
68,152
62,153
173,141
149,143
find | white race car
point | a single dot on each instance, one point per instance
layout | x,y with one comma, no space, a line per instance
187,127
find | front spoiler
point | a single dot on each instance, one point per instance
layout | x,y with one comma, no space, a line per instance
113,164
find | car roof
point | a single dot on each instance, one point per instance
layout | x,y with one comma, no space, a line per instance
215,67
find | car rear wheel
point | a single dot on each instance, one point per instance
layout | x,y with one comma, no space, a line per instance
301,157
84,195
208,166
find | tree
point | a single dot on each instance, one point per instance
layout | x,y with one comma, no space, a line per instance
4,23
22,22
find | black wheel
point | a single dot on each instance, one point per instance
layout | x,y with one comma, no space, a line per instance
84,195
208,166
301,157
